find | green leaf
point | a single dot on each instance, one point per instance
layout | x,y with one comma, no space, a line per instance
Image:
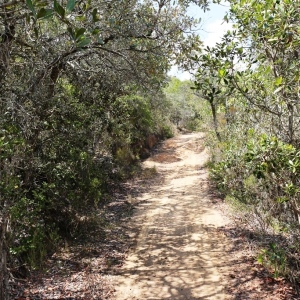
95,31
273,39
94,14
72,34
70,5
30,5
222,72
59,9
260,258
278,81
83,43
282,199
44,13
79,33
80,18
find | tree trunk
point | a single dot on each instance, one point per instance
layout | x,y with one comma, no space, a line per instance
3,262
214,113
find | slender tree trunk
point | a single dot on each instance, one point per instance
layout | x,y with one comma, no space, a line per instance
215,121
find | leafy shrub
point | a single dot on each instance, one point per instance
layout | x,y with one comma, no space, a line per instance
166,131
262,183
274,257
265,176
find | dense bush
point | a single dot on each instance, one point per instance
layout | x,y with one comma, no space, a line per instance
265,177
78,153
261,183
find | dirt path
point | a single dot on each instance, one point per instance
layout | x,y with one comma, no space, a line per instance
179,253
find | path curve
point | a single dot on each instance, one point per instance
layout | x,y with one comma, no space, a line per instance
179,252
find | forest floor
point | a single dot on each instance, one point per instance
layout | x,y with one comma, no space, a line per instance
163,235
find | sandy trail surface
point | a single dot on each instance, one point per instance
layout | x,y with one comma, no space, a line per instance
179,252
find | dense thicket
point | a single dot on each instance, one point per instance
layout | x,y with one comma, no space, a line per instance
80,91
251,81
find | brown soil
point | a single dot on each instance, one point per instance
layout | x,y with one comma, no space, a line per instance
163,236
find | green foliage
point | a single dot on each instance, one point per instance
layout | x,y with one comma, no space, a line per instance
71,5
260,178
275,258
166,131
265,177
60,174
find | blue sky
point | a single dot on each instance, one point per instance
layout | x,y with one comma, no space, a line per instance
211,29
